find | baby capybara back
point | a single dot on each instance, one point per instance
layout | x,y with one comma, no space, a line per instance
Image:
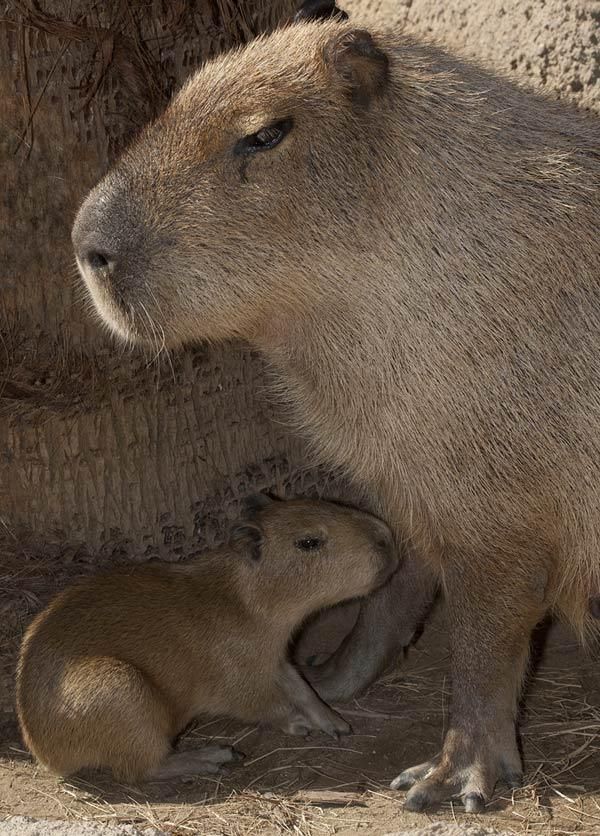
119,664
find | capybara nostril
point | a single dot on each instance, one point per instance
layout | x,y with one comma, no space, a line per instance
98,260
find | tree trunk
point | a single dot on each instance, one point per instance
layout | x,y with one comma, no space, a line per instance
102,451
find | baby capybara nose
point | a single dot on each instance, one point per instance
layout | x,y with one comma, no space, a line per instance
388,550
384,539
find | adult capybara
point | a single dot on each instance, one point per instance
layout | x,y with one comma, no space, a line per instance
119,664
414,245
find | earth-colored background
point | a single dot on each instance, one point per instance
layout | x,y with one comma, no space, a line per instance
106,456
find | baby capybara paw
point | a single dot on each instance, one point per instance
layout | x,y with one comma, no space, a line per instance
324,720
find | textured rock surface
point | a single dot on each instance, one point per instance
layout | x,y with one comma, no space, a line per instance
26,826
552,45
450,829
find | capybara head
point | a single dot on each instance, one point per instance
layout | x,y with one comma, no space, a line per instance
243,200
310,552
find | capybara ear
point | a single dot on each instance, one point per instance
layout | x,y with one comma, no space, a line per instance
247,538
319,10
363,67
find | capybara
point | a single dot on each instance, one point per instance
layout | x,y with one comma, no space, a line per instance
119,664
414,246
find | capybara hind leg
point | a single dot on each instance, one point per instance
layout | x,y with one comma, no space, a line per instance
492,619
125,723
386,624
105,714
204,761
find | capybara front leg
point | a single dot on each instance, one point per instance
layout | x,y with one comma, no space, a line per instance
492,616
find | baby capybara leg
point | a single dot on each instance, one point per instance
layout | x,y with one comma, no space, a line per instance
135,729
104,714
203,761
146,728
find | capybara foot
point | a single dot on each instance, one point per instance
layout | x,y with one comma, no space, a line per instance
465,769
205,761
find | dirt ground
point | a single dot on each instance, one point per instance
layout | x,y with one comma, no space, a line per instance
321,787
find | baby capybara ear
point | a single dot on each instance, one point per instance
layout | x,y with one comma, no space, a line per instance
359,63
247,538
319,10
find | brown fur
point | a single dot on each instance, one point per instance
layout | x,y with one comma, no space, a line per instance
119,664
419,260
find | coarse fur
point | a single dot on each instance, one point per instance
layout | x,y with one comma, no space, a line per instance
418,258
118,665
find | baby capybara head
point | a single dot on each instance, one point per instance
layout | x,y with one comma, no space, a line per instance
310,552
244,199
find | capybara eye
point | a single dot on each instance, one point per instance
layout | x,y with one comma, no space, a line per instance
309,544
265,139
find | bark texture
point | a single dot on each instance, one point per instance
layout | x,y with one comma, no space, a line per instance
104,452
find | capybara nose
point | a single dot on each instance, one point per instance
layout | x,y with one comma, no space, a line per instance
98,260
105,235
95,248
387,548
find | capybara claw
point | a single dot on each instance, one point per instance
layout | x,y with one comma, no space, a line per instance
404,781
410,777
418,801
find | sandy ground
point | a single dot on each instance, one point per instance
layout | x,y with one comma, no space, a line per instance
24,826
